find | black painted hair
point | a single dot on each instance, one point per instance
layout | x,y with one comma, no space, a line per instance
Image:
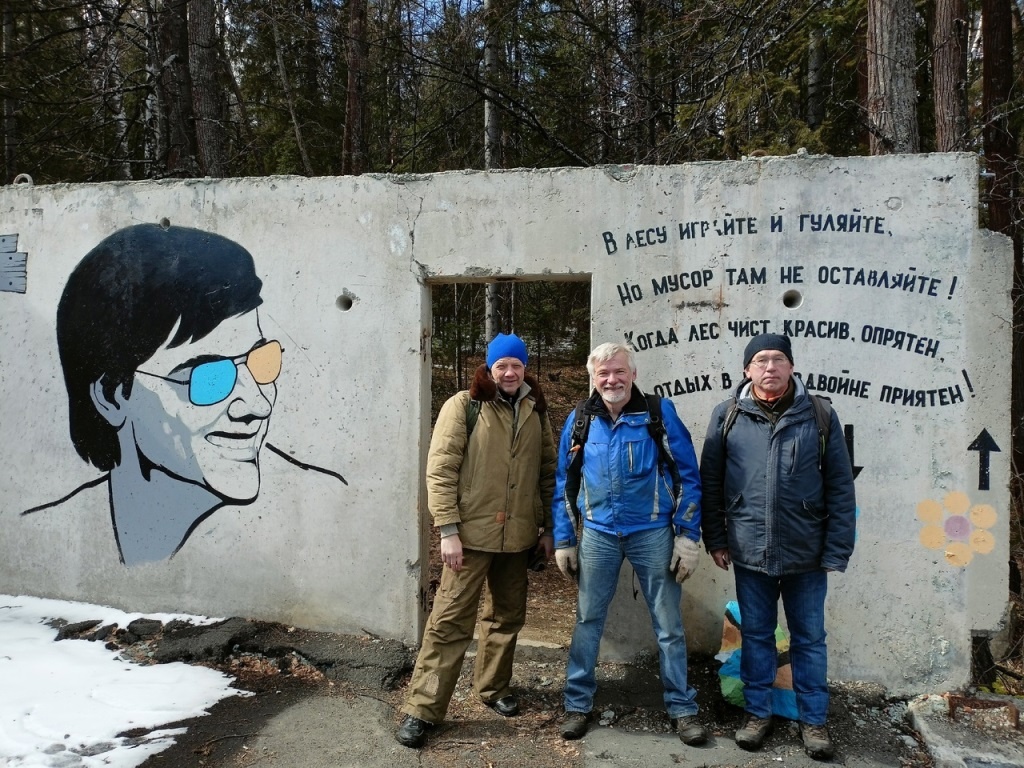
121,303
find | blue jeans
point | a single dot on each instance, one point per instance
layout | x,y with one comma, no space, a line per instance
803,598
600,559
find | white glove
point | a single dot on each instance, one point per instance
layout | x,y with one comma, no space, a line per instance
567,562
685,554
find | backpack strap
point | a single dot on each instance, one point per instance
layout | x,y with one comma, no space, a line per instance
656,428
580,427
574,469
472,412
657,425
730,417
823,416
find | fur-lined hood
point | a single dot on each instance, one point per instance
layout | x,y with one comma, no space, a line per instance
484,389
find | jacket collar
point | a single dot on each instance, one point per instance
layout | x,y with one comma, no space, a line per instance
745,396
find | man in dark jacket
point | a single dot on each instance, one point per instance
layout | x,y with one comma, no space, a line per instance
779,505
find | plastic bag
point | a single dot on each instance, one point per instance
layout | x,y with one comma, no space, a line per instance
783,697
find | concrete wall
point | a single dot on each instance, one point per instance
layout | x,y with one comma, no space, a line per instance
897,303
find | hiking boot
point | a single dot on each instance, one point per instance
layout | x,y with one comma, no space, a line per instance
753,732
574,725
413,732
690,730
506,706
817,742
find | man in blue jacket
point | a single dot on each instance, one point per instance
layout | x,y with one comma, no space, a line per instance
630,510
779,505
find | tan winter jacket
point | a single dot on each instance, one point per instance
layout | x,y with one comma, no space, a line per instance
499,487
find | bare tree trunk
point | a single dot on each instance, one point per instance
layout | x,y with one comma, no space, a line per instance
861,45
460,374
353,159
103,63
282,72
492,62
492,319
603,78
892,90
815,89
176,87
207,95
10,104
997,81
492,141
1000,155
640,92
233,87
154,120
949,84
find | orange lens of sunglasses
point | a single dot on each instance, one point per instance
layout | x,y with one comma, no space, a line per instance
264,363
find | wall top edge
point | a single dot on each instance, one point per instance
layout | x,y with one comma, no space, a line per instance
619,172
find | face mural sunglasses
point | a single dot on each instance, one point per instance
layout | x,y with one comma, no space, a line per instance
212,382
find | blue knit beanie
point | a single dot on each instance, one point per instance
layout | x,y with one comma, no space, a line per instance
504,345
773,341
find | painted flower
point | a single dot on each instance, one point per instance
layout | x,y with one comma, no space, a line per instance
957,527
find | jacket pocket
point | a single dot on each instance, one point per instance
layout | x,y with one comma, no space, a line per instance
815,511
734,502
453,584
466,498
665,478
789,455
640,457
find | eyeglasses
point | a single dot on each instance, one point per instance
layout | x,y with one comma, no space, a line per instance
764,362
211,382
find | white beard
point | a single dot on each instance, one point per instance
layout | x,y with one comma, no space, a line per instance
614,395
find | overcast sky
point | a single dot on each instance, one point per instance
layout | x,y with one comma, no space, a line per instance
62,704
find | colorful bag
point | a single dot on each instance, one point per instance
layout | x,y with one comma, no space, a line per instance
783,697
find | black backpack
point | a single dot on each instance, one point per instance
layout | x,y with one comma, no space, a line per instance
580,430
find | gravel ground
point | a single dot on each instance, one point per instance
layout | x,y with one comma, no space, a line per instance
866,726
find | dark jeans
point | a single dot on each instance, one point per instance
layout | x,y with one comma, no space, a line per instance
803,598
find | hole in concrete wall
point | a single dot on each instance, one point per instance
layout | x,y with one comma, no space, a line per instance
344,303
165,223
553,318
792,299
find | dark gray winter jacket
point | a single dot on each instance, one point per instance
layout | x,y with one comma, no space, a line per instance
770,497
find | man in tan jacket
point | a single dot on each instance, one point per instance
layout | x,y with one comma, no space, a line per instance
490,484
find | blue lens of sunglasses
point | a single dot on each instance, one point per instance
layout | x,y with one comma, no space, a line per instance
212,382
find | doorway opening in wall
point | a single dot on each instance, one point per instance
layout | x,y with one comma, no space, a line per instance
553,319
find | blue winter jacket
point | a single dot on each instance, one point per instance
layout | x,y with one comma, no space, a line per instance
623,488
770,496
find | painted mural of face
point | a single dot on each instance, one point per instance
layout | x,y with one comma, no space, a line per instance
170,381
199,412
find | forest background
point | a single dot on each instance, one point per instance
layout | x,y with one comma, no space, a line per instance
145,89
